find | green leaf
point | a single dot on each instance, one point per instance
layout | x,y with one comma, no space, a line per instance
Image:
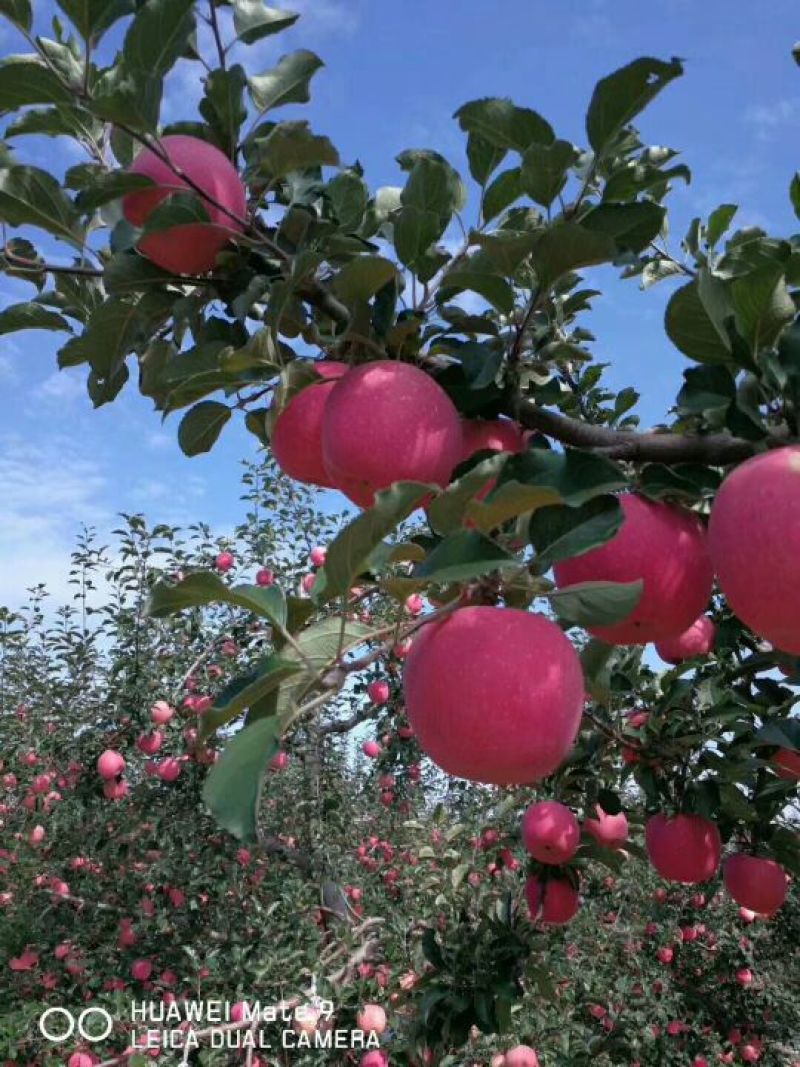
540,477
504,125
131,97
60,121
349,197
567,246
632,226
17,11
158,36
596,603
287,83
504,190
91,18
478,274
483,157
233,787
718,222
28,316
201,588
794,194
559,532
782,732
414,232
98,186
763,305
361,278
506,248
618,98
114,330
691,329
179,209
201,426
544,170
597,661
254,20
431,186
31,196
463,555
27,80
446,511
246,690
292,146
223,105
687,480
349,553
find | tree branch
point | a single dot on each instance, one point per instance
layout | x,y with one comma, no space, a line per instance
716,449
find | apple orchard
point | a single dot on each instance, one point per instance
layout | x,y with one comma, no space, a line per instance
496,752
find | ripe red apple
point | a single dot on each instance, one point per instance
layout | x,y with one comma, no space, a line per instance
490,435
754,541
684,848
494,695
280,761
378,691
662,545
744,976
550,832
555,901
265,577
371,749
755,883
371,1019
698,640
608,830
386,422
161,713
191,248
81,1059
317,556
110,764
150,743
521,1056
224,562
414,605
297,434
376,1057
787,764
141,970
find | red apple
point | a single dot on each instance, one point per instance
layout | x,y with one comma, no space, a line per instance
554,901
494,695
297,434
754,541
608,830
386,422
550,832
698,640
755,883
662,545
684,848
110,764
191,248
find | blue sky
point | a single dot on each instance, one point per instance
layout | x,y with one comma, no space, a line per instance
395,73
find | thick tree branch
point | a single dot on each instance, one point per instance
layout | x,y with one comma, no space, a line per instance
716,449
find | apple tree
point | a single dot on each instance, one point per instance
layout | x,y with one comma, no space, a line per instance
423,351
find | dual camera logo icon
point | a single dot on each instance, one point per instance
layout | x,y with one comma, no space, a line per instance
59,1024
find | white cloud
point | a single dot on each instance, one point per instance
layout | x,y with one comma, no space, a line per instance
8,370
62,386
49,490
769,119
328,17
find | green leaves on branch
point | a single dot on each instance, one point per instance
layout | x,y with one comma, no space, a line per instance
502,124
233,786
350,552
558,532
30,316
19,12
201,426
540,477
463,556
253,20
32,197
28,80
247,690
91,18
292,146
620,97
202,588
596,603
287,83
